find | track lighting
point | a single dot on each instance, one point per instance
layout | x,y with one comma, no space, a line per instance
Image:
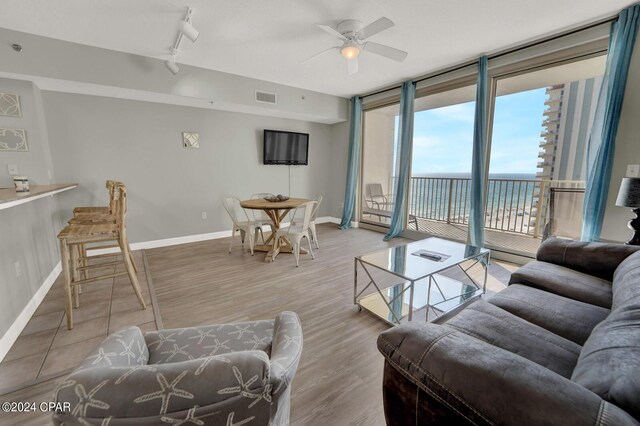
186,30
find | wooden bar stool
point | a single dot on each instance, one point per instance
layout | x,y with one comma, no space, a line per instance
76,236
78,211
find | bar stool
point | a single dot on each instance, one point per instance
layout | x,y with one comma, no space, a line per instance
75,236
83,211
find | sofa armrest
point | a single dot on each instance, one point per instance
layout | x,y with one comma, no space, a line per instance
476,382
286,350
597,259
156,390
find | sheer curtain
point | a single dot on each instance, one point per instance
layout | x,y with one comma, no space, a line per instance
602,140
405,139
355,141
478,162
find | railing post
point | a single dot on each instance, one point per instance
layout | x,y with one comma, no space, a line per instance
450,197
541,201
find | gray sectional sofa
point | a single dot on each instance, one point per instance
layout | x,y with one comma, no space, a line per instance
559,346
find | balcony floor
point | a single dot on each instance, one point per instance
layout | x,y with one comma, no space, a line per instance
505,241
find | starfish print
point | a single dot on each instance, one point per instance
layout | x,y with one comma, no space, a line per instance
217,346
289,340
142,359
176,350
166,392
241,330
242,422
86,400
208,360
257,341
184,330
266,394
202,335
243,387
189,419
162,339
65,384
102,356
127,351
131,370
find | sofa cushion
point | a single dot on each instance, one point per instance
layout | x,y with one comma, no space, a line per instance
565,317
565,282
493,325
610,361
626,284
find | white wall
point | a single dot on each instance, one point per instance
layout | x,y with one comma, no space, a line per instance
94,139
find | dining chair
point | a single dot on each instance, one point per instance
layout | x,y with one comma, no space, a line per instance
241,222
260,216
298,229
312,222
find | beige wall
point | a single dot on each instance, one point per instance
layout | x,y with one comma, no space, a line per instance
627,152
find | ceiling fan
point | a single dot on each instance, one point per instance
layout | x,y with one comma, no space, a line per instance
353,35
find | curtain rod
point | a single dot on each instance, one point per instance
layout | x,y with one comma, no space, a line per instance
498,54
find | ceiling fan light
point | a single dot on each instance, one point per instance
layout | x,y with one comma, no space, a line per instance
189,31
350,51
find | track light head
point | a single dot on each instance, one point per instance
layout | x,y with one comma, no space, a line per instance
189,31
172,66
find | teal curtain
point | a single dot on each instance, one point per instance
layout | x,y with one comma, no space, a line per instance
602,140
405,139
478,162
355,141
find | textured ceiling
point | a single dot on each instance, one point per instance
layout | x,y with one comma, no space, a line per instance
267,39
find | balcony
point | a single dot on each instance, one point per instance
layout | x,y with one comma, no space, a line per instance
515,213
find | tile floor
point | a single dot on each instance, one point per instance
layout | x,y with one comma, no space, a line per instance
46,349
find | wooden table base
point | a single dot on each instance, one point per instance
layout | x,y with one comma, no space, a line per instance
272,252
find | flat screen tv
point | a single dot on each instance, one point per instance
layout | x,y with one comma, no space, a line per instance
289,148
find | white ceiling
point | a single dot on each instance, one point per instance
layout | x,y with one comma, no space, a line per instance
266,39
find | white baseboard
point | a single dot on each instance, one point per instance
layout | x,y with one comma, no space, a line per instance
12,334
195,238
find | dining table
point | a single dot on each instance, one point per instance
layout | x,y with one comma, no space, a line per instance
277,211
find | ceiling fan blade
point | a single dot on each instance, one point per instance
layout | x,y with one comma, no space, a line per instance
352,65
386,51
331,31
320,53
375,27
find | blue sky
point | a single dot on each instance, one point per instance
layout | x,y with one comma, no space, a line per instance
442,137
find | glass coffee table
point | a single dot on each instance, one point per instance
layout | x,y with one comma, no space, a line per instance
426,277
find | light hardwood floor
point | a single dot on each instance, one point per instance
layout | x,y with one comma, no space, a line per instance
339,380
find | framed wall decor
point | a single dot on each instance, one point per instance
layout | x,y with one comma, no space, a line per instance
190,140
13,140
10,105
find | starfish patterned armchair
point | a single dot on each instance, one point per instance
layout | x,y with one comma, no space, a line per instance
229,374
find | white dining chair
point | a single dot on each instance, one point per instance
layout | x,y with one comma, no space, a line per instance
312,223
241,222
298,229
260,216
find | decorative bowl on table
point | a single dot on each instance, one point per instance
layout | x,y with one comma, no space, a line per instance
276,198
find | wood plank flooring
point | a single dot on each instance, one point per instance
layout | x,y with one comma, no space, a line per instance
339,380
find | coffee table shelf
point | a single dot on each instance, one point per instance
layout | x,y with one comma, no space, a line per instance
408,285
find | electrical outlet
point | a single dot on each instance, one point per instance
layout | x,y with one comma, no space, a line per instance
633,170
204,215
18,269
13,169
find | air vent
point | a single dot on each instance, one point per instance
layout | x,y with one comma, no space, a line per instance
265,97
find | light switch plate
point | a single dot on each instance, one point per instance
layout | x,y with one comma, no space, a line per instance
633,170
13,169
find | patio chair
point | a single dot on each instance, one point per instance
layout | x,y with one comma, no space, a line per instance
565,213
378,199
206,375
